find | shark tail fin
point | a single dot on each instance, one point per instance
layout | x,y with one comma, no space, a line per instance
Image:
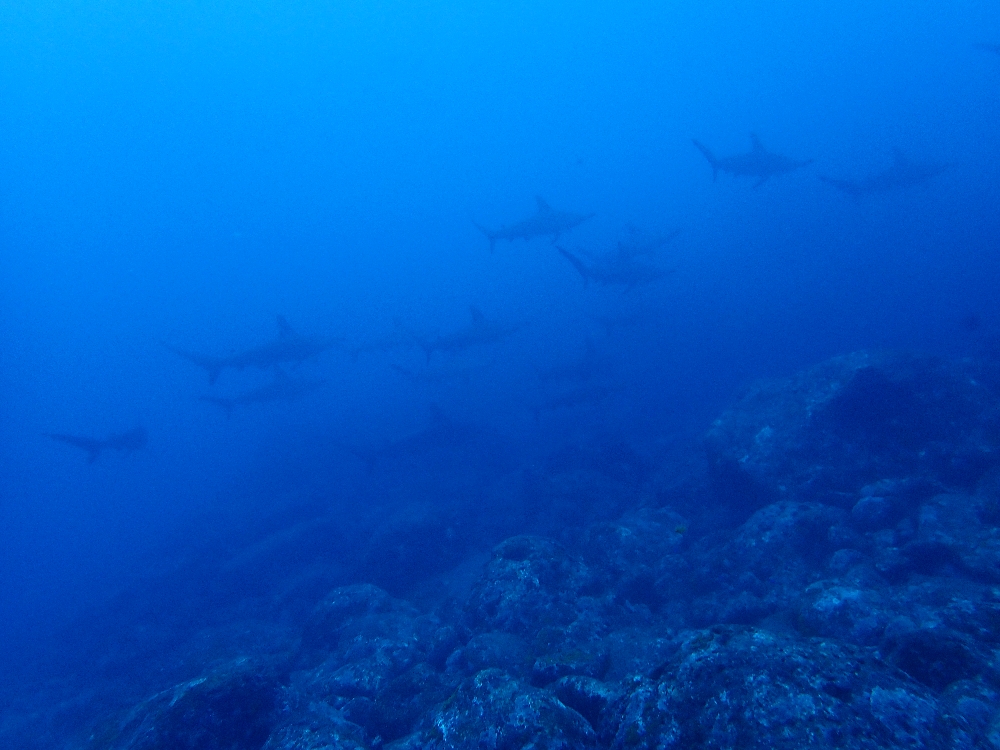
211,365
577,264
214,369
708,155
284,329
91,446
477,315
490,235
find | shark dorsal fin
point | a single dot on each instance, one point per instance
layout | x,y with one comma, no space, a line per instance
284,330
755,143
543,207
477,316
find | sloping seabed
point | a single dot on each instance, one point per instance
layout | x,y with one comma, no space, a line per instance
823,571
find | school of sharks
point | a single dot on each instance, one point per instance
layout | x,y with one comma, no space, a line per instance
448,375
627,265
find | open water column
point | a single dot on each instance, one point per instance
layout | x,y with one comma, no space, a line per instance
398,374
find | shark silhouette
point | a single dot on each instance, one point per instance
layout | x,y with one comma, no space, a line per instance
547,222
132,440
282,387
288,348
442,434
994,48
617,269
902,173
438,375
758,162
480,332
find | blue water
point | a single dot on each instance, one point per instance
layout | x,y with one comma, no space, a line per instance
184,172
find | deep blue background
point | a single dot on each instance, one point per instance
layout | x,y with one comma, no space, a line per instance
185,171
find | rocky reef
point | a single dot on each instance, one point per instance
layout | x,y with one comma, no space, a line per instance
828,577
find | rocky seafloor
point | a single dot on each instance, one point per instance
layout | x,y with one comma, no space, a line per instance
825,574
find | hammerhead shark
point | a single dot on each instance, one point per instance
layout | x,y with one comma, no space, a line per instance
132,440
288,348
902,173
617,269
480,332
547,222
282,388
758,162
442,434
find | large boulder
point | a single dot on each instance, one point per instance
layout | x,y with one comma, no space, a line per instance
233,707
530,583
826,433
751,689
494,710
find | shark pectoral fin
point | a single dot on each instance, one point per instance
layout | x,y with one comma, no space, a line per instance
708,155
284,330
490,235
577,264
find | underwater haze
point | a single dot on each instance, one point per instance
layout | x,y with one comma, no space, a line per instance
328,270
